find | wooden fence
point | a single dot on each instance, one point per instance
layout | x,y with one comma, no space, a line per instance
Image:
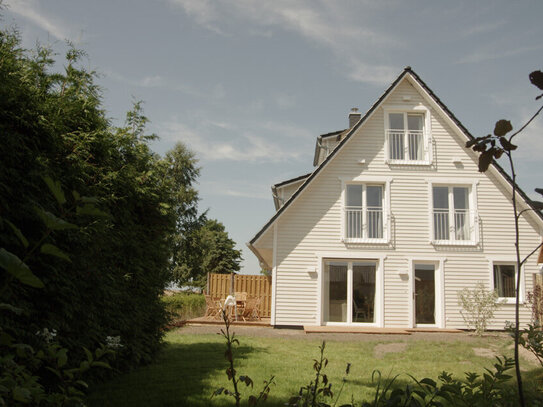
218,286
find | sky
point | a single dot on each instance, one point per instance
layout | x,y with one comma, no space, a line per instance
248,85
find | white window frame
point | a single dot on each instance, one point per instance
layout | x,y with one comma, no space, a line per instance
498,261
473,213
379,307
439,264
426,131
367,181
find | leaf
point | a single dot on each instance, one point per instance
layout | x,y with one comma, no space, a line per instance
76,195
91,210
62,357
52,222
52,250
15,266
536,77
536,204
502,127
56,190
22,394
507,145
18,233
90,199
485,159
539,191
99,363
11,308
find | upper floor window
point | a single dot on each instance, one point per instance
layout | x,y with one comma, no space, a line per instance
364,212
407,139
453,219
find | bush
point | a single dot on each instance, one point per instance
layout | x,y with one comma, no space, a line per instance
478,306
183,306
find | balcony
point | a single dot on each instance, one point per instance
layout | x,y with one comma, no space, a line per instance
407,147
454,227
361,225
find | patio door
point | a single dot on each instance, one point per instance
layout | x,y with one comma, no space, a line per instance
424,294
349,289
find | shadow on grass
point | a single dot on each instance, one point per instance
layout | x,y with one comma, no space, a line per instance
179,377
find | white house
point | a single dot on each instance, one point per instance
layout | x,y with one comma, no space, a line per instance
394,220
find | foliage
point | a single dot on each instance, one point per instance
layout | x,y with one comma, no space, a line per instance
494,146
535,299
531,338
231,371
206,249
478,306
184,305
104,274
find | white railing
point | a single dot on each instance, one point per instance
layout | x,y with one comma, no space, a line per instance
461,230
406,145
355,227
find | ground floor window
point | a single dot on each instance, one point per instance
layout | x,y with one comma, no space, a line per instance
349,291
504,280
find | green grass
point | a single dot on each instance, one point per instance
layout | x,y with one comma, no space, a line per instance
192,366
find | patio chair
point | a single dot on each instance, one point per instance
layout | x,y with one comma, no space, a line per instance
213,307
252,309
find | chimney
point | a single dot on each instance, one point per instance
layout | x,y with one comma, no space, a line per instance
354,117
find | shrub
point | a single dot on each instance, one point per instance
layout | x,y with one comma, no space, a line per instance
478,306
183,306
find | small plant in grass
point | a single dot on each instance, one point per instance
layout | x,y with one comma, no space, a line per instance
232,373
478,306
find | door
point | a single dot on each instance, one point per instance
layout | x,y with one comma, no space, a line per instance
425,294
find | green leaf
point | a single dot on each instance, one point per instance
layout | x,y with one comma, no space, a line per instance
22,394
91,210
52,250
52,222
11,308
56,190
76,195
502,127
18,233
507,146
15,266
101,364
90,199
62,357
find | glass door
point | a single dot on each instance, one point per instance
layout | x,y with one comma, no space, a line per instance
349,291
425,294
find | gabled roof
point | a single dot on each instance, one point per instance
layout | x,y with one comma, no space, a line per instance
405,72
274,187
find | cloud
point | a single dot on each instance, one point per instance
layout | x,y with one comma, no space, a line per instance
231,144
29,9
497,53
328,24
240,190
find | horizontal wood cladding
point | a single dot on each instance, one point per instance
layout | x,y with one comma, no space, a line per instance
312,224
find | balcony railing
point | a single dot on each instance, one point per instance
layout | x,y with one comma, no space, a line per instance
355,227
406,145
460,231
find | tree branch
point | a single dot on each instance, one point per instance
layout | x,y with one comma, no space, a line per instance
527,123
532,252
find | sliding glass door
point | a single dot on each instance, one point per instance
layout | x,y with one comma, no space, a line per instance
349,291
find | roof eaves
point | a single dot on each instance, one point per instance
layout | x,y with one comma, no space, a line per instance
290,181
319,139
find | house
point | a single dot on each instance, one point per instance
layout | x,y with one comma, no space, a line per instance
393,222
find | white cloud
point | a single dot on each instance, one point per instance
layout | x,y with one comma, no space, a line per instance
245,190
30,10
497,53
328,24
244,147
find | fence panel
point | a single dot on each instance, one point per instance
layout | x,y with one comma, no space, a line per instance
218,286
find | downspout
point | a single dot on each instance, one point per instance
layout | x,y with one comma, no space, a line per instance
274,275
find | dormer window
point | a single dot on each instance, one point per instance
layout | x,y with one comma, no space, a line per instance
407,138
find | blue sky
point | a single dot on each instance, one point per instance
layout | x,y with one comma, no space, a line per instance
248,85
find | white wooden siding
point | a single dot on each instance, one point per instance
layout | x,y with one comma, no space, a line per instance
312,224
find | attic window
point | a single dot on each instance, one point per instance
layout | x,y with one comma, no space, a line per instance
407,139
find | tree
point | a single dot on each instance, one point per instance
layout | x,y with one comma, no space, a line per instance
206,249
494,146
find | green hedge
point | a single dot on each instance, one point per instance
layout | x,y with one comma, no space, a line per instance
184,306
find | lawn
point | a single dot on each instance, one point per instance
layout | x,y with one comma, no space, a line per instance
192,366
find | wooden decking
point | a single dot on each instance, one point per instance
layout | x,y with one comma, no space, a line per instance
213,321
372,330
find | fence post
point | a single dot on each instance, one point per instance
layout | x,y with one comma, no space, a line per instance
207,284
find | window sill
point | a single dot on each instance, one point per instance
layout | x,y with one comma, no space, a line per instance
509,301
464,243
420,163
366,241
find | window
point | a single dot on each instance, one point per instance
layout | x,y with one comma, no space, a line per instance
406,138
349,291
452,218
364,215
505,280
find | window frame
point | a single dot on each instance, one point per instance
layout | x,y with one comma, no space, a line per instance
472,211
368,181
426,134
502,262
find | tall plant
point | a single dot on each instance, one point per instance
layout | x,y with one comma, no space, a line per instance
494,146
